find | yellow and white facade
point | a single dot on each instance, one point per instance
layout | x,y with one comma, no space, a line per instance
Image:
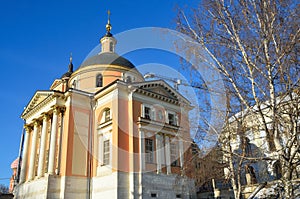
102,131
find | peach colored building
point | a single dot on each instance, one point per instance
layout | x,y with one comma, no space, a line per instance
102,131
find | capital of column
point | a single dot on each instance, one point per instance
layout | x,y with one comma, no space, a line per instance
55,109
62,109
58,109
27,128
45,116
36,123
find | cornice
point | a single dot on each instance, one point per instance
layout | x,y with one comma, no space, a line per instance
158,96
102,67
158,126
51,97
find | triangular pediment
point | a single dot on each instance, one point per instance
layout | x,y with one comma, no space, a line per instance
37,98
161,88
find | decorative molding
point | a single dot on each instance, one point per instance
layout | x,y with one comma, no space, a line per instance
158,96
31,109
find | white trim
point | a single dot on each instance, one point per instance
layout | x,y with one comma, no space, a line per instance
181,152
168,154
158,152
175,117
150,100
152,111
104,135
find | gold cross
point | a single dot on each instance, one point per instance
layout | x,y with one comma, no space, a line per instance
108,25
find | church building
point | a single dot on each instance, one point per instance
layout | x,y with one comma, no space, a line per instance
102,131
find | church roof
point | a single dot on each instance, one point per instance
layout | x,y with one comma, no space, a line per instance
107,58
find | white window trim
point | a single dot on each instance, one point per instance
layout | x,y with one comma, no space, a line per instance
102,120
174,151
175,117
103,135
151,153
152,111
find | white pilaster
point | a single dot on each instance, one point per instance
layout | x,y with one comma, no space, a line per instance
142,163
42,147
181,152
158,152
53,138
168,154
33,151
24,156
142,151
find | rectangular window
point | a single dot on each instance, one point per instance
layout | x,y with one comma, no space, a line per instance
171,118
149,150
106,152
147,112
107,115
173,154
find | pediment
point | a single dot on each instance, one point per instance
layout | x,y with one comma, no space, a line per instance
161,88
37,98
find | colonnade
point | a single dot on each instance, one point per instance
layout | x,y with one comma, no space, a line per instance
162,152
32,142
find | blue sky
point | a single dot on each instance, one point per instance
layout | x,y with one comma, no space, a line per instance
36,39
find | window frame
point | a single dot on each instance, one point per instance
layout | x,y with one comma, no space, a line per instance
149,150
99,80
106,153
175,118
107,114
151,114
174,151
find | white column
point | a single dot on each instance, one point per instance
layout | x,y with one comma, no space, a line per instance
42,147
168,154
142,163
33,151
158,152
24,156
142,151
53,138
181,152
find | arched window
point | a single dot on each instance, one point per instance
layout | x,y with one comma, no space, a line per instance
128,79
106,115
99,80
74,85
111,47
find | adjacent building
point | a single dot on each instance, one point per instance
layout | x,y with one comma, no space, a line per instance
249,143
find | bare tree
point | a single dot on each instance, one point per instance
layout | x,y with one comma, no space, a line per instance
3,189
255,46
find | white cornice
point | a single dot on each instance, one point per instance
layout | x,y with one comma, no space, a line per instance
158,127
34,110
177,96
